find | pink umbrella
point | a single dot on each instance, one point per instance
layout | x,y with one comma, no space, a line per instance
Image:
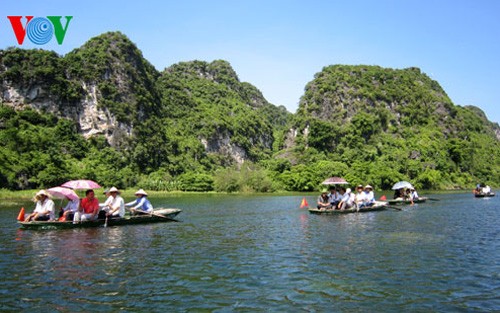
334,181
61,193
81,184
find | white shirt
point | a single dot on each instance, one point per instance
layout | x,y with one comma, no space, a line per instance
106,203
118,202
47,205
72,205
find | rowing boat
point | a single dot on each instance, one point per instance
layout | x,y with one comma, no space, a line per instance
406,201
484,195
377,206
158,216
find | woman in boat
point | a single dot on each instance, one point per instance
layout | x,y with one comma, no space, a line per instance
324,201
360,196
117,206
141,204
369,196
44,209
68,212
89,208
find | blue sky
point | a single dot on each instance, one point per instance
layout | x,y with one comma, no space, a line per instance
278,46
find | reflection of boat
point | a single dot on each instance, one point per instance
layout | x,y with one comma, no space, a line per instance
484,195
378,206
403,201
158,216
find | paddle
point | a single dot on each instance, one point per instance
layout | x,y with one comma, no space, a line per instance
433,199
152,214
394,207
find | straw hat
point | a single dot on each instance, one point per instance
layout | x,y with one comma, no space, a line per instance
113,189
368,187
141,192
348,190
42,193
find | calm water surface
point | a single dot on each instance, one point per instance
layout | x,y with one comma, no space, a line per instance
234,253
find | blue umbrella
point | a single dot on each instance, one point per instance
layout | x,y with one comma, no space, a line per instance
401,184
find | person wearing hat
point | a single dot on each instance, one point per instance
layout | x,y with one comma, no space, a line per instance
360,196
369,196
141,203
323,201
116,208
45,208
89,208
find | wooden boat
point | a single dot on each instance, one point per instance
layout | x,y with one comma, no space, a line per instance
484,195
378,206
158,216
403,201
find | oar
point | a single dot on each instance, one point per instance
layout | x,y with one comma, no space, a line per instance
153,214
394,207
106,221
433,199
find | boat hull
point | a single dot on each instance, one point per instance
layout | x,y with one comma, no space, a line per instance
160,216
484,195
376,207
400,201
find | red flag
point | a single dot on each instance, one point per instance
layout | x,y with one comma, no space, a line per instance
383,198
20,217
304,203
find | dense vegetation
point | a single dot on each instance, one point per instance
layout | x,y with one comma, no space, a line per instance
195,126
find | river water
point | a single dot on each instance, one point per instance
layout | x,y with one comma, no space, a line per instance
261,253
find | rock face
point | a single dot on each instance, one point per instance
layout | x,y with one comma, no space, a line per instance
110,89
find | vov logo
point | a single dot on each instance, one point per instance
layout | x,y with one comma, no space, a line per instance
39,30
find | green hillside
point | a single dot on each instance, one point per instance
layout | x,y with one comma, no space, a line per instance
103,112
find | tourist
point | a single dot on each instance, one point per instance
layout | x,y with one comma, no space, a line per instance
44,209
369,196
141,203
116,208
360,196
347,201
334,197
323,201
89,208
68,212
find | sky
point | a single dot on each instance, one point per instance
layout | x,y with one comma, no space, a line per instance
278,46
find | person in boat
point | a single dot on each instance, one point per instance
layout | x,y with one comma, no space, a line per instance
397,194
486,189
89,208
347,201
334,197
44,209
369,196
141,204
413,194
324,201
116,208
360,196
68,212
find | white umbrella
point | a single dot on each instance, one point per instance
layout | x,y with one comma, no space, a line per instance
401,184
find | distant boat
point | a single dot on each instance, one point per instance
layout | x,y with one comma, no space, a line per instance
407,201
484,194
